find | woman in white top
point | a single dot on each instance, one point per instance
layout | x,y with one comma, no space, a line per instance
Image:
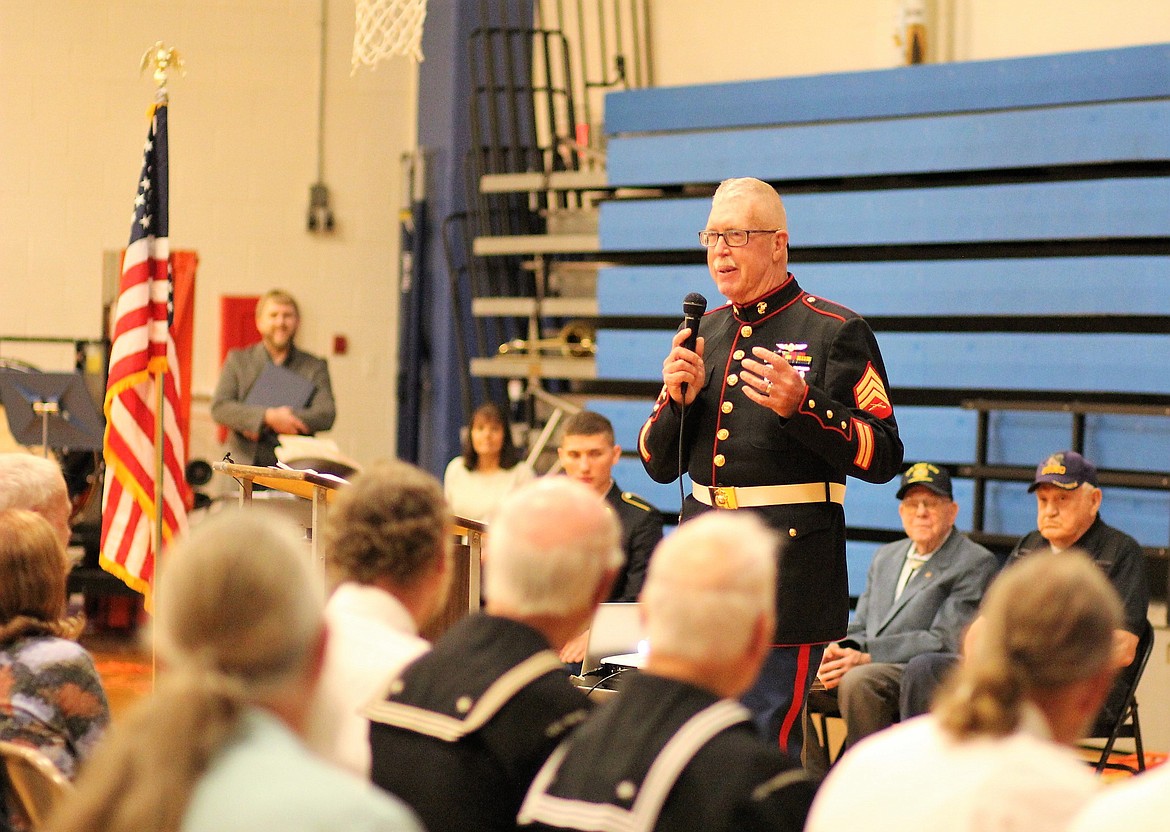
489,468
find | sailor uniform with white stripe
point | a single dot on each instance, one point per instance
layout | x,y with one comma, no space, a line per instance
791,471
666,755
466,727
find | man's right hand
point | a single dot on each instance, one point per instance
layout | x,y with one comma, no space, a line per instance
283,420
838,661
683,367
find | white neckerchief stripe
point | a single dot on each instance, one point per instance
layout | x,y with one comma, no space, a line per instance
451,728
660,779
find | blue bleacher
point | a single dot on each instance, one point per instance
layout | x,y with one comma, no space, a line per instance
896,183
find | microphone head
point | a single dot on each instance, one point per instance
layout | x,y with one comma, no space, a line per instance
694,304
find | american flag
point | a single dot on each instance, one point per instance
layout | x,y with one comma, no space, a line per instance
141,354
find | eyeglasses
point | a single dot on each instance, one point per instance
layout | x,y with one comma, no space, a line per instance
923,502
734,237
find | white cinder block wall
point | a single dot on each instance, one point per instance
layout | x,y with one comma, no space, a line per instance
243,141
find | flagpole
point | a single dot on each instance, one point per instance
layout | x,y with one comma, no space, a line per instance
161,59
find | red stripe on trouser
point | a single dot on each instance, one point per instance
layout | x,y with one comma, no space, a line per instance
798,688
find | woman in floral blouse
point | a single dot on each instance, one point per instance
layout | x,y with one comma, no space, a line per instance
51,696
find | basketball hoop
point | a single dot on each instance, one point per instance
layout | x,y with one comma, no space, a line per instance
387,27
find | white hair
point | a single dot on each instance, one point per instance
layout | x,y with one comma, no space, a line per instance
707,585
30,482
548,548
767,206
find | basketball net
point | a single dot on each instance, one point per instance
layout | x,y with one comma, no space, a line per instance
387,27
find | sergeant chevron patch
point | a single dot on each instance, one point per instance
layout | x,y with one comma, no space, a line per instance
871,395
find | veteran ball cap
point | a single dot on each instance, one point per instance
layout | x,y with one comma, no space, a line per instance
1067,470
928,476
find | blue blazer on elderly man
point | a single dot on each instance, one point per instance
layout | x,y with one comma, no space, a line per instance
937,603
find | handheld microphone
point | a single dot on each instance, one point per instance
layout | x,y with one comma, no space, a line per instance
694,305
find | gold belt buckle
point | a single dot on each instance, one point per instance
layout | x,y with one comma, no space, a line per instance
723,497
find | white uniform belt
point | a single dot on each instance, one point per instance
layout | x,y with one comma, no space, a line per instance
769,495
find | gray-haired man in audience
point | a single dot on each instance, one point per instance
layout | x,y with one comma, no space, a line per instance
34,483
466,727
675,750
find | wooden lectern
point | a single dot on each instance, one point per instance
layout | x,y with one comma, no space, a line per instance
320,489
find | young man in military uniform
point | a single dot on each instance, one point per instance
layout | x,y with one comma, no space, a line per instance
588,453
784,395
466,727
675,751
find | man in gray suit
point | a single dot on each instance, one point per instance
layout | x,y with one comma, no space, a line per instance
920,593
255,425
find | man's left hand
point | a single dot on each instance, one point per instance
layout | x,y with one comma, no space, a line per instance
772,382
837,662
574,649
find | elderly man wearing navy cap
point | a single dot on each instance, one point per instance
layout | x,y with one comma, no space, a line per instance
920,593
1068,503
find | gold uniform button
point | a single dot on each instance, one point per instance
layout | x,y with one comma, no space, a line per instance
738,355
463,704
792,532
745,331
844,425
722,434
727,407
719,460
626,790
733,379
828,414
811,403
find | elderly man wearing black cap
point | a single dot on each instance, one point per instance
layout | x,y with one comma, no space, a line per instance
1068,502
920,593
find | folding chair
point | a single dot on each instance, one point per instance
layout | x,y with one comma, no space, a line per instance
1127,723
820,707
32,784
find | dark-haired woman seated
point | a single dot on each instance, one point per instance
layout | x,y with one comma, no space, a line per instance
51,696
489,468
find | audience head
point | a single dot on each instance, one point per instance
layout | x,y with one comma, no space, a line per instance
391,527
32,592
489,438
237,604
928,509
1067,498
587,451
238,621
710,594
744,273
35,483
1047,639
277,319
552,551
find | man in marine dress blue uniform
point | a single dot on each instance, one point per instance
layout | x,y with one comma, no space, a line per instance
785,396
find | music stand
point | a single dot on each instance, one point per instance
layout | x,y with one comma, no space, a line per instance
52,409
